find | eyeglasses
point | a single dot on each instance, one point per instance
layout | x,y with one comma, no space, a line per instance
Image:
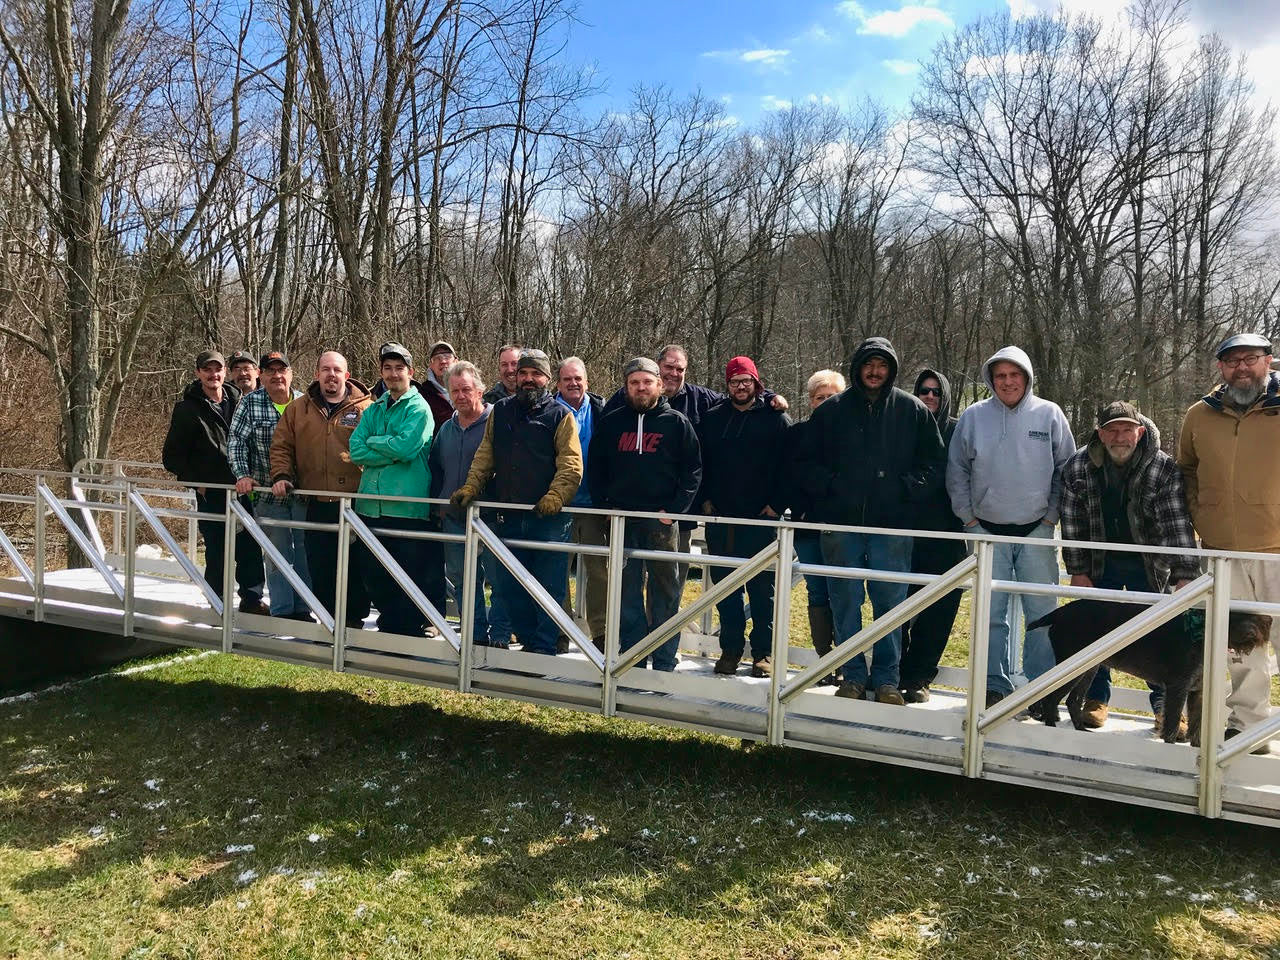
1248,361
929,392
742,381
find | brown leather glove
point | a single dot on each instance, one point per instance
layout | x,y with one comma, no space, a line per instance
462,497
549,505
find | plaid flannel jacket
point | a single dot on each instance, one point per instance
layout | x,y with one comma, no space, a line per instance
1157,506
249,440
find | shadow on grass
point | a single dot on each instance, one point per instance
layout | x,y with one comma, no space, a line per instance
522,804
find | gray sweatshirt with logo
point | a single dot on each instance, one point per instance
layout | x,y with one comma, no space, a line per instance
1005,463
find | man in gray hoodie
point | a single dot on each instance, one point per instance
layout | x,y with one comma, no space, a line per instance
1004,477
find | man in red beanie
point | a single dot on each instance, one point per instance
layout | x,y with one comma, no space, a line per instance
743,449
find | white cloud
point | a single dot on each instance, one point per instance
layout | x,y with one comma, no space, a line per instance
770,102
894,23
766,56
903,68
823,99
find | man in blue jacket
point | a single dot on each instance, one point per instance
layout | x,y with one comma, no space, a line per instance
1004,476
871,457
587,409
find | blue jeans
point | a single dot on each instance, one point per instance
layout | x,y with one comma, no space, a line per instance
454,555
1024,563
874,551
662,578
809,550
537,631
291,542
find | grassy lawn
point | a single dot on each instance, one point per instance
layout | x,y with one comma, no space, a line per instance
225,807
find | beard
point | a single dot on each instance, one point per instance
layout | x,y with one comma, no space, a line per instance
642,404
1245,394
1121,455
529,396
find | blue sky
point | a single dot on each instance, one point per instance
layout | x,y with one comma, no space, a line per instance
758,55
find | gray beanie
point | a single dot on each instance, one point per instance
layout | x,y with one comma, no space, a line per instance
639,365
534,360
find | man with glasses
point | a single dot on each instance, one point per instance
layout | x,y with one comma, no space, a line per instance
1229,454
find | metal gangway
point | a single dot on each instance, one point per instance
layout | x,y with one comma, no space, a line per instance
142,580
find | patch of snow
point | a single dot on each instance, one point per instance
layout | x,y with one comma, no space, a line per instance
246,876
97,831
313,837
240,848
152,784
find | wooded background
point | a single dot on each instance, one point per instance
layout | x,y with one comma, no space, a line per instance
305,174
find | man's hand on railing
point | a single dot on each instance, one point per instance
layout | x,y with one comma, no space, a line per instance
281,488
665,521
549,505
462,497
1081,580
1179,585
244,485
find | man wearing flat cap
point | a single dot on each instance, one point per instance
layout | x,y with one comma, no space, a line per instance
532,454
1122,488
1229,454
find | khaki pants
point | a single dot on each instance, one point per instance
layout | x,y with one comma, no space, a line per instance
593,530
1250,699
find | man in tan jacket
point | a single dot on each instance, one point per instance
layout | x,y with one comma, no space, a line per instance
1229,454
309,450
532,455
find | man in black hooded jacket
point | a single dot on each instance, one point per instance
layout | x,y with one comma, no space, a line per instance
870,457
195,451
925,637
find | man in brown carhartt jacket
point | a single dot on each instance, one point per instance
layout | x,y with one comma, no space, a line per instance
1229,454
307,451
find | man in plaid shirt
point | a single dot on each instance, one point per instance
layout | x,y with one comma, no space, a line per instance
1122,488
249,452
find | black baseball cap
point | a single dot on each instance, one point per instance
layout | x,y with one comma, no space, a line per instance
1118,410
272,356
209,356
392,349
1243,340
240,356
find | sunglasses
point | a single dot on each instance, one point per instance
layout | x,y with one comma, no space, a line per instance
929,392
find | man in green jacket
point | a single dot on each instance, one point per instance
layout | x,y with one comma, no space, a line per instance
390,445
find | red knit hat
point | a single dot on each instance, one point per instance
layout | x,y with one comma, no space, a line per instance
743,365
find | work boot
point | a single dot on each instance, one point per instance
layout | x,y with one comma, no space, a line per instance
888,693
255,606
852,691
822,630
993,697
762,667
915,694
1095,714
562,644
727,665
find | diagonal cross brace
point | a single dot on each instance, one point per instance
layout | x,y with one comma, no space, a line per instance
405,582
82,540
879,627
659,634
149,515
273,554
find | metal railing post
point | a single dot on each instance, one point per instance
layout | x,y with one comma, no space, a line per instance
342,572
228,571
193,525
467,615
130,558
41,553
979,630
781,633
117,471
1215,654
613,614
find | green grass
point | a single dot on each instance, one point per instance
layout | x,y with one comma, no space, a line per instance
451,826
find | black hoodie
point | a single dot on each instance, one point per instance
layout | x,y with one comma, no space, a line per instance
871,462
937,513
195,448
743,454
644,461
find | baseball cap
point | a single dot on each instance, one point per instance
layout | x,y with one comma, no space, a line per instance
441,346
1118,410
1243,340
272,356
392,349
639,365
209,356
240,356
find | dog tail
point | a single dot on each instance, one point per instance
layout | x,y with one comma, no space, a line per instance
1045,621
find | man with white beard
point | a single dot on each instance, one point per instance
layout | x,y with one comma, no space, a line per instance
1229,454
1122,488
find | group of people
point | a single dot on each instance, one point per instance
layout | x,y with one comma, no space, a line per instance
870,455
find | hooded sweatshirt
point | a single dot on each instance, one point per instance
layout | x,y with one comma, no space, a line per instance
1005,464
743,458
644,461
937,513
867,461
